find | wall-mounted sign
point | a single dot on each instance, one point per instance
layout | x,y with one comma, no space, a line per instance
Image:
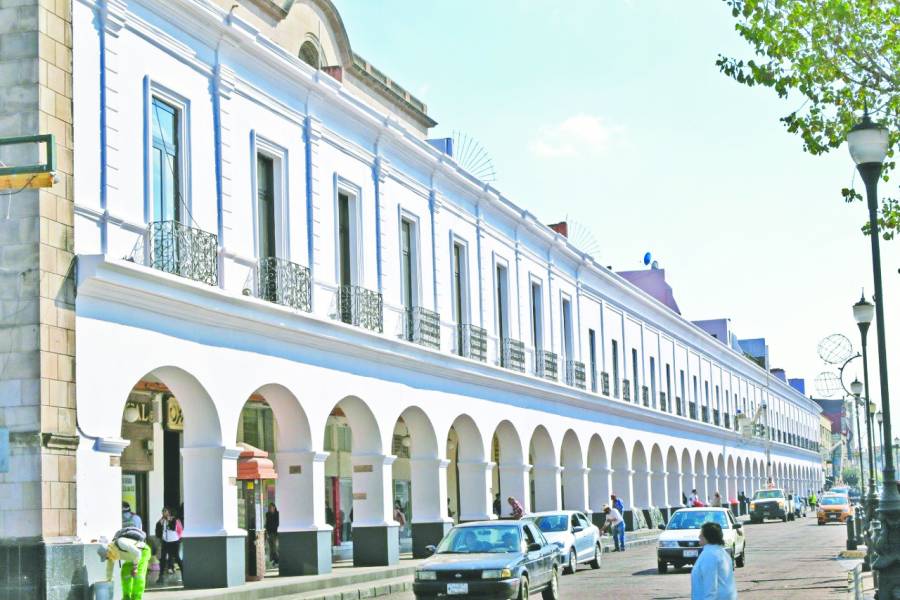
115,460
362,468
360,495
295,469
174,416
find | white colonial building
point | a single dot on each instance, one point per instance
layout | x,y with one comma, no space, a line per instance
271,251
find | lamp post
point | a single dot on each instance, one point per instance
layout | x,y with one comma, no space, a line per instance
863,313
896,448
869,145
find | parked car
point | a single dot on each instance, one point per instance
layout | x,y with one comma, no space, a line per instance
833,508
577,538
768,504
491,559
679,543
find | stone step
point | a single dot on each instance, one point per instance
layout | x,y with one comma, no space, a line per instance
372,589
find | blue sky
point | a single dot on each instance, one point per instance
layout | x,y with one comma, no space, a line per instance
614,114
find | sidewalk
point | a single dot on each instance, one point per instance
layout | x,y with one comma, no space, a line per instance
346,581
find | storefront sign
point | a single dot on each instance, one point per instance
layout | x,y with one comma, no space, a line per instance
174,417
295,469
360,495
362,468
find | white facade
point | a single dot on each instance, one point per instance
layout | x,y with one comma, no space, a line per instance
239,94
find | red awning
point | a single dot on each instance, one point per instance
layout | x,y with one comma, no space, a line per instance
254,464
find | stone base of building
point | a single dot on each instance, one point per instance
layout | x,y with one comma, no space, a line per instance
377,546
304,552
214,562
427,534
37,569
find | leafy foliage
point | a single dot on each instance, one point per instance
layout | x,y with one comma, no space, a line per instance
841,57
850,475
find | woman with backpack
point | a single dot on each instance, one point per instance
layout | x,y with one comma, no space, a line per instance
169,531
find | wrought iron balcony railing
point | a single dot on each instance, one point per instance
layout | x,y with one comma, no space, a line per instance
185,251
716,416
727,421
546,364
645,395
472,342
512,355
361,307
693,410
626,390
663,406
284,282
679,406
575,374
422,326
704,411
604,383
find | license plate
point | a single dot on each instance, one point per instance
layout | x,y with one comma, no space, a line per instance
691,553
457,588
832,517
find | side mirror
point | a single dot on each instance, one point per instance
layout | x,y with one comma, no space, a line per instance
577,529
661,526
534,547
430,548
737,525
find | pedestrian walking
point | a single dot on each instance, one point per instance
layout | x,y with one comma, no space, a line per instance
712,577
400,517
271,526
130,547
617,504
516,507
717,500
130,519
169,530
615,524
693,498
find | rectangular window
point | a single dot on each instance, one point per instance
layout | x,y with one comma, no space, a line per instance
681,387
166,175
634,377
567,341
653,382
592,348
345,241
669,399
717,409
502,304
695,400
459,289
615,368
537,321
407,265
265,200
705,408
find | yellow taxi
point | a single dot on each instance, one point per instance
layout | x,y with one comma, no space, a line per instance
833,508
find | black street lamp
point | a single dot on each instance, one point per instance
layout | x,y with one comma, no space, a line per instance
896,449
869,145
879,417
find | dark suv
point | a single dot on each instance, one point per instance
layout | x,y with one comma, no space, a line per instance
768,504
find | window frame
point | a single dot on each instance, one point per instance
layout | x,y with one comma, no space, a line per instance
355,228
154,90
279,157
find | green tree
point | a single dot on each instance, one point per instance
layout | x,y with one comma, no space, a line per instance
835,59
850,475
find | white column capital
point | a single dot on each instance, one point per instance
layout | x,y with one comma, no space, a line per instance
513,468
547,468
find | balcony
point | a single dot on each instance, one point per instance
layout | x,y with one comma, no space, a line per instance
575,374
512,355
546,364
727,421
645,395
472,342
626,390
285,283
705,413
693,410
662,402
604,383
679,406
360,307
184,251
716,417
422,326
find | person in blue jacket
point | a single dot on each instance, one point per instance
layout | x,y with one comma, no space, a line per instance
712,577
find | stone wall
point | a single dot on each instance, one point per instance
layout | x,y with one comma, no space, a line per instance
37,316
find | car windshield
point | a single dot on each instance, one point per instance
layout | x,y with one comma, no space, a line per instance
840,490
833,500
484,538
549,523
765,494
694,519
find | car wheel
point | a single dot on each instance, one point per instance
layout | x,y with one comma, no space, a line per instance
551,592
572,565
598,556
523,588
662,567
742,559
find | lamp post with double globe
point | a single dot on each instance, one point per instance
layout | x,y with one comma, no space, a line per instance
869,144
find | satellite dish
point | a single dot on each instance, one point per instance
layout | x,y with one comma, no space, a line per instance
647,259
835,349
473,157
828,384
584,239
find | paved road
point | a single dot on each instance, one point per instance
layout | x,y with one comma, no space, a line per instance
793,561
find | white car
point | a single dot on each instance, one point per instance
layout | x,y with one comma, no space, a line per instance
679,543
577,538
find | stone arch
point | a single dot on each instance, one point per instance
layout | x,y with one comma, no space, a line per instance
657,478
722,479
621,473
700,474
512,471
732,480
673,479
470,472
599,475
688,482
712,478
640,476
545,471
574,474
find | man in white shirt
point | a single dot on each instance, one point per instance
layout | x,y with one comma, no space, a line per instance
615,524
